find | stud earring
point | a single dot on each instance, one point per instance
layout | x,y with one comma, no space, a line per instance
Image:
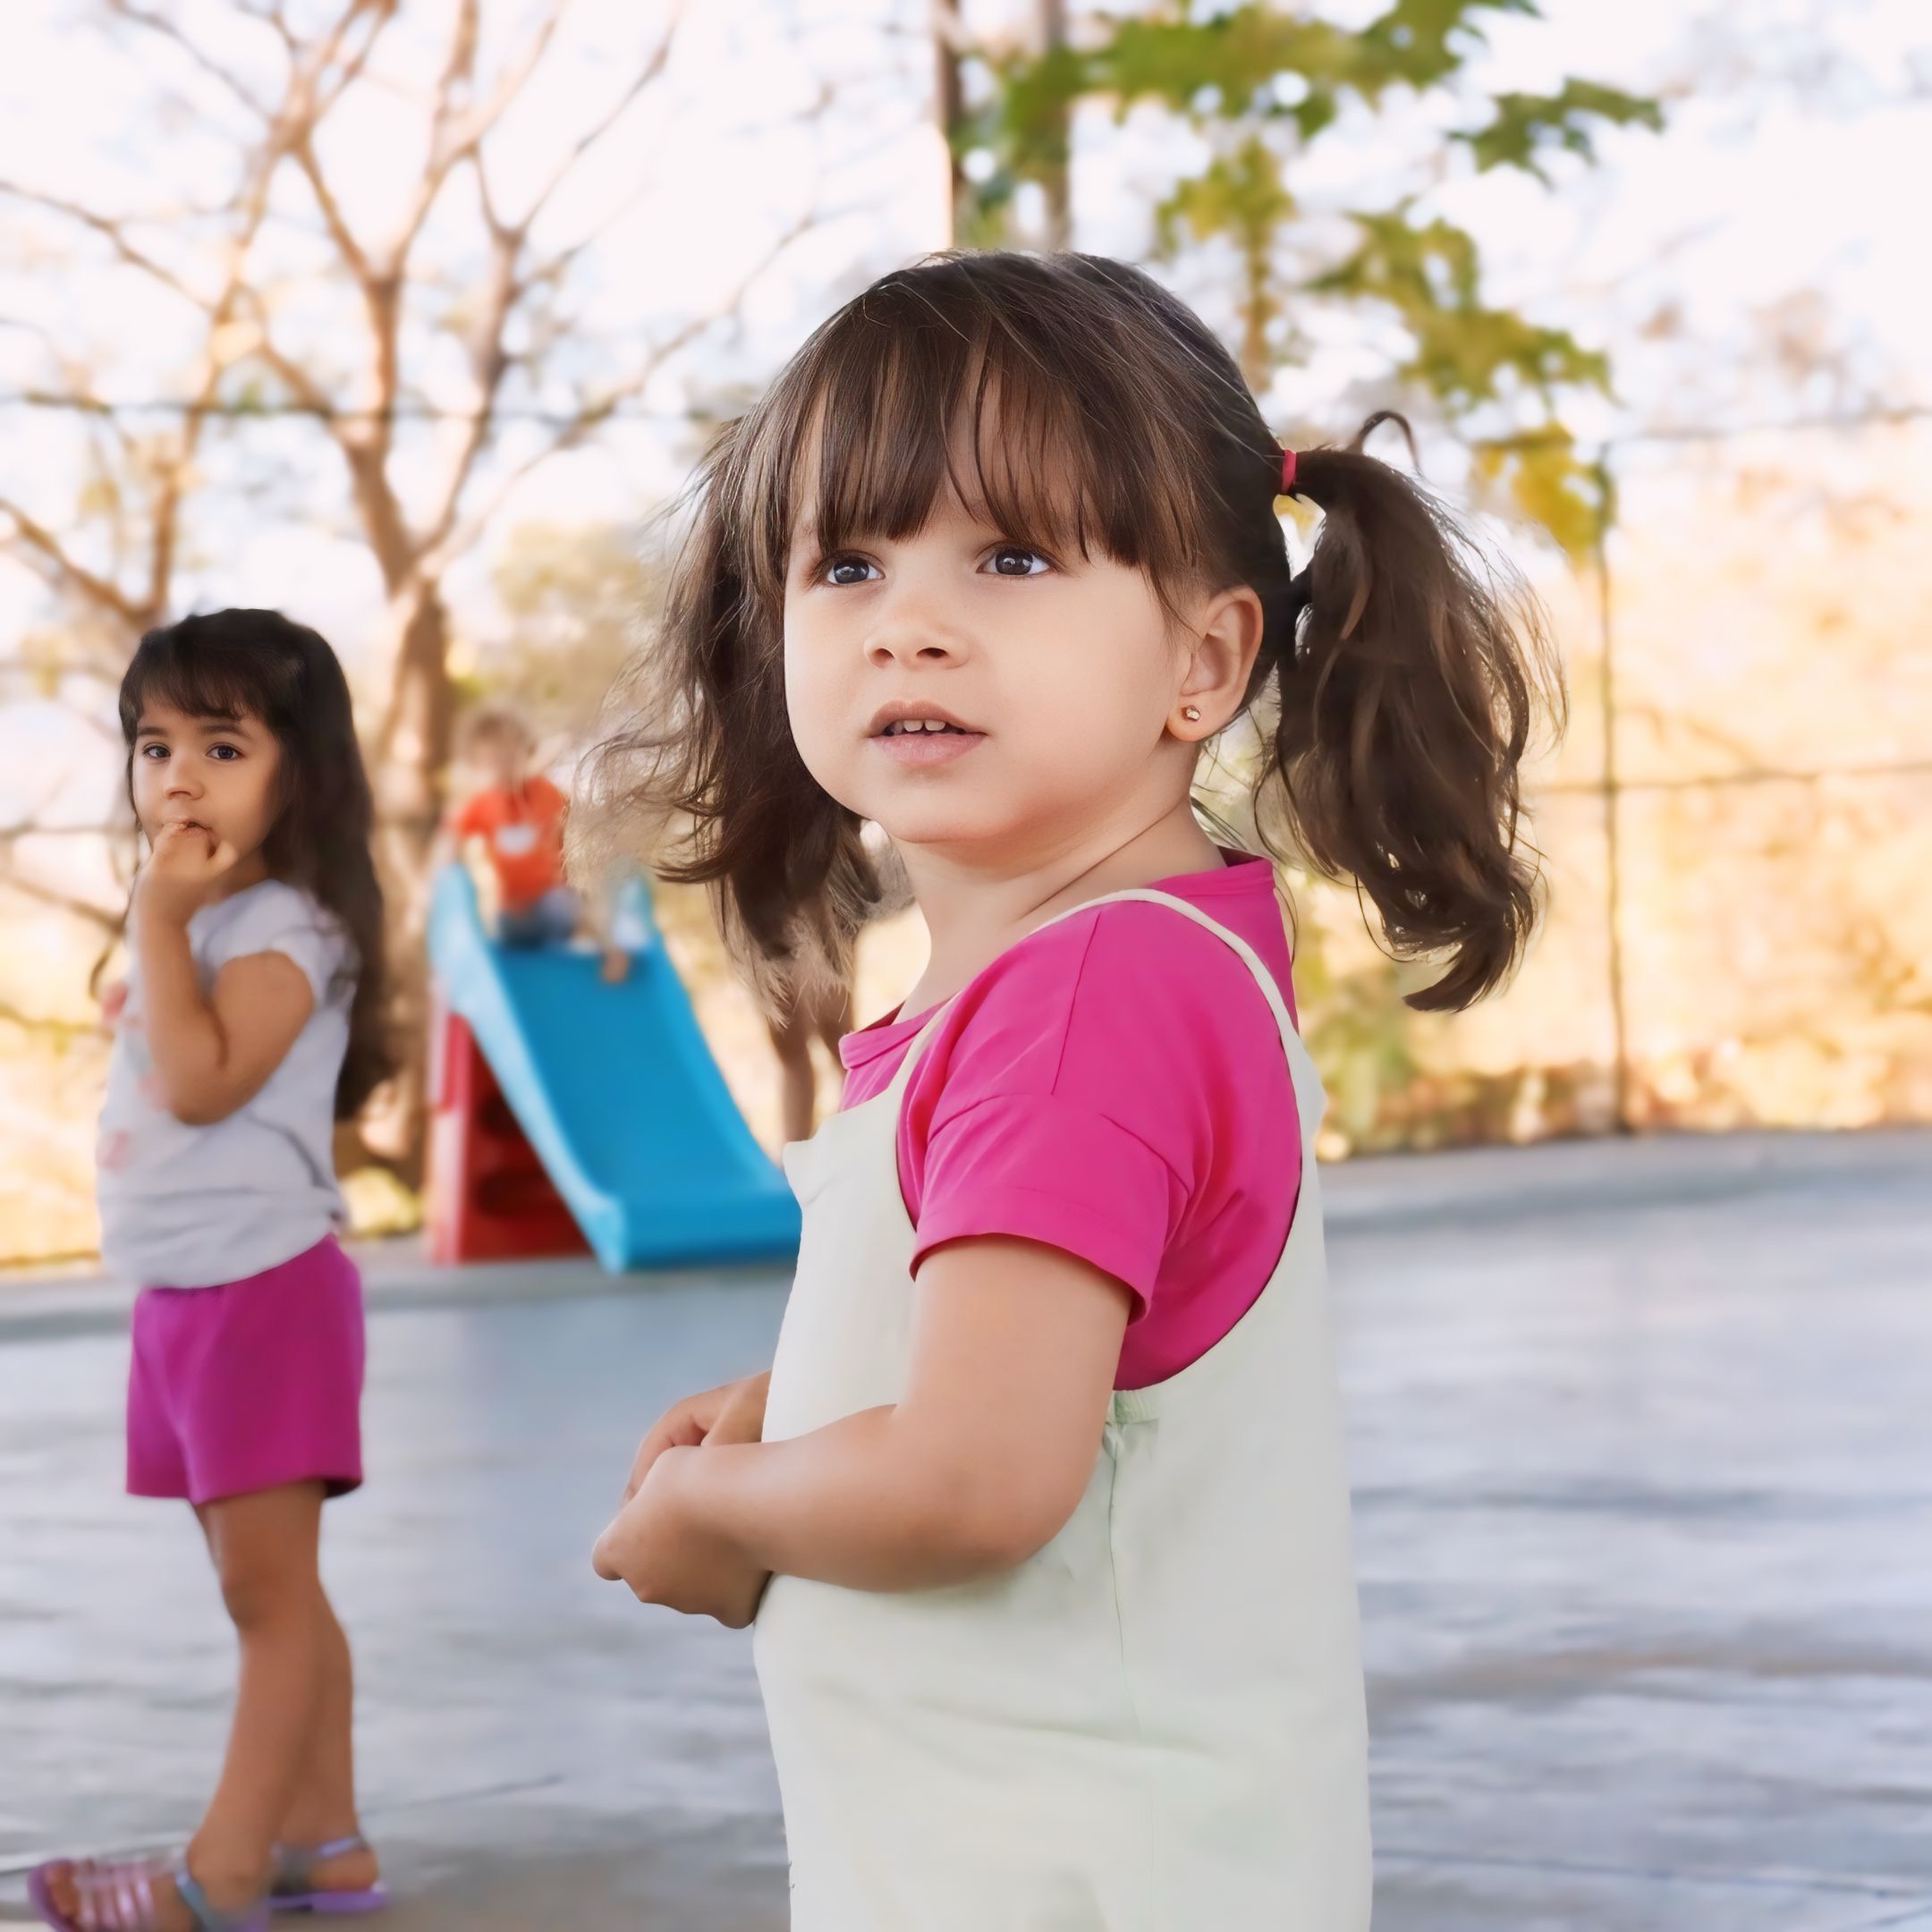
1192,713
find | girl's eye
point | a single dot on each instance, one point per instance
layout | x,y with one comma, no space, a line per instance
1009,560
226,753
838,569
153,751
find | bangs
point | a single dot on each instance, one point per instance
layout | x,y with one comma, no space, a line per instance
1044,413
204,676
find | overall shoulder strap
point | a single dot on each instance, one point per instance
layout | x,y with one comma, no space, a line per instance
1310,1100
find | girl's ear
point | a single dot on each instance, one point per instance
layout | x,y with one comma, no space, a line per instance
1222,649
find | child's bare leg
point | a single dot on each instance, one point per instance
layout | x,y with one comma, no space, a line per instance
323,1807
264,1549
264,1545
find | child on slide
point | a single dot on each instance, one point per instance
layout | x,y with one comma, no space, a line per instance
249,1022
519,816
1042,1508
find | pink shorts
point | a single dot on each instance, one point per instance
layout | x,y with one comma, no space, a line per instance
250,1384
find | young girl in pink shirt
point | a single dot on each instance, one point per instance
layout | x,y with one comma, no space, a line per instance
1041,1509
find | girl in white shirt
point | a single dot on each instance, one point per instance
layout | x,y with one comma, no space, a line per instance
250,1021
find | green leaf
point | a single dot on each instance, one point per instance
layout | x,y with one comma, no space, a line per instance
1238,196
1465,352
1262,83
1414,42
1527,126
1551,485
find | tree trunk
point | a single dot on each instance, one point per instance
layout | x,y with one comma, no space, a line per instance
1057,180
949,106
418,734
1257,358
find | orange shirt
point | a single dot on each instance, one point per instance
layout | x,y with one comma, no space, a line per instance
525,830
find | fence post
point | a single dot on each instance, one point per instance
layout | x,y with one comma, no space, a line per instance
1620,1069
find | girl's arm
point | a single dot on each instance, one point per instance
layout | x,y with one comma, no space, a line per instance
210,1054
1015,1350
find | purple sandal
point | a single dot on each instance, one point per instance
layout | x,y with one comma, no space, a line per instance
118,1897
295,1892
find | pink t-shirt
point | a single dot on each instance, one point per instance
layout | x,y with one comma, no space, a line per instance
1113,1086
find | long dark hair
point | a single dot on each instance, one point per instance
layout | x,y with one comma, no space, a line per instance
1398,676
258,663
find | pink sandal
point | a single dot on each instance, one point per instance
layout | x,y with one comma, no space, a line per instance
293,1892
118,1897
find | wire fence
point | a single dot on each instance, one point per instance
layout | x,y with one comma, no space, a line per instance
1761,744
1737,830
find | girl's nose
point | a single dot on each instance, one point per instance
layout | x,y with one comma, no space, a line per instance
912,633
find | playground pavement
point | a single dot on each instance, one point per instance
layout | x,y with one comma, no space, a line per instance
1643,1460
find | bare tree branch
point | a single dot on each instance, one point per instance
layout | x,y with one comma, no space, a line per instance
379,16
488,365
292,123
504,315
355,257
509,285
595,412
100,416
552,267
111,229
301,146
290,127
466,135
160,24
308,392
270,14
558,263
655,63
44,552
312,91
365,440
456,137
107,921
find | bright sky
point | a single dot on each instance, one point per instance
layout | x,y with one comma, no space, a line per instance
1759,195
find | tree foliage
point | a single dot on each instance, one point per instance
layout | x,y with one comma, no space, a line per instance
1260,87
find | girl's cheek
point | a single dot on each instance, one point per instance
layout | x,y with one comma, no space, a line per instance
813,703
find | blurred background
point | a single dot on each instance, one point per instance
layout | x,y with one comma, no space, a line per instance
408,316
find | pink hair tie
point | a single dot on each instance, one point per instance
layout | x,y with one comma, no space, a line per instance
1287,473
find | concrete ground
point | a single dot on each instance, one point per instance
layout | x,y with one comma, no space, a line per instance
1643,1452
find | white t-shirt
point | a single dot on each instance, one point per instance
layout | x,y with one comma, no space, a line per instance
184,1207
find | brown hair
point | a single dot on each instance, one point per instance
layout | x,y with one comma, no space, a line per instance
231,663
495,723
1395,686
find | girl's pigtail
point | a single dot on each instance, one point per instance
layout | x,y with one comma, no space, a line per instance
1409,679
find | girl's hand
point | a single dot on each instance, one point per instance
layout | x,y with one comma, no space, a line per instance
657,1545
185,865
732,1412
113,998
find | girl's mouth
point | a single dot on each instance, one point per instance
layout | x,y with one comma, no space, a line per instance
922,741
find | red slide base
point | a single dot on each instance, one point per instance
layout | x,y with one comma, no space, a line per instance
490,1196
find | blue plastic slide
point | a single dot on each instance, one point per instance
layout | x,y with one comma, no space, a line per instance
617,1092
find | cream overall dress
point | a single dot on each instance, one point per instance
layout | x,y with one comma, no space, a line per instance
1154,1724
